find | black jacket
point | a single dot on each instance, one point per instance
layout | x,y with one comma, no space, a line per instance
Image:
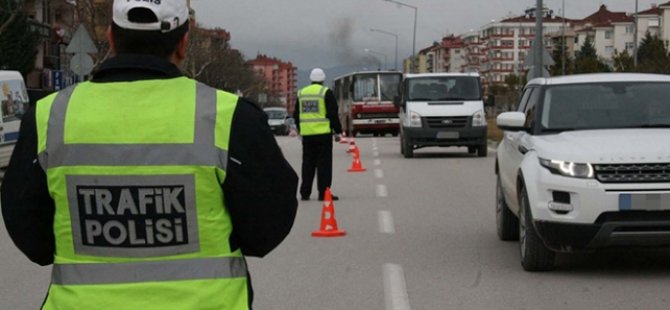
260,187
332,114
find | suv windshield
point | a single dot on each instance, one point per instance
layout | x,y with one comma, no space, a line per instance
606,105
444,88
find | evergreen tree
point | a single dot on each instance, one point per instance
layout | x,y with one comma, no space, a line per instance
557,55
18,43
623,62
587,60
653,55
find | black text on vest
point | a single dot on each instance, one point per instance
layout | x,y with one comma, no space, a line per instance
132,216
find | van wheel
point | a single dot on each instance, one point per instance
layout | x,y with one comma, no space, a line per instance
482,150
472,150
408,147
535,256
402,146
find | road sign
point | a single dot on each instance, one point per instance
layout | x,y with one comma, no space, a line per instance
81,42
81,64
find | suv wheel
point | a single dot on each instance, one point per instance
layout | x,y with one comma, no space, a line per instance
535,256
472,150
506,222
402,145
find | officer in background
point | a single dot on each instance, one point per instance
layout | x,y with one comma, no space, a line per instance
317,118
145,189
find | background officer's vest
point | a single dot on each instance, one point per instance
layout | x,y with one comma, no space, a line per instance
312,107
135,170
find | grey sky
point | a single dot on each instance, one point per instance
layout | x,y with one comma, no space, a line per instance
324,33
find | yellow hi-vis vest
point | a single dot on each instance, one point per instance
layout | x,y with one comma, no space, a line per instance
135,170
312,107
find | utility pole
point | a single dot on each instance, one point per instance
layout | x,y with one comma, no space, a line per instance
539,41
563,45
635,36
416,15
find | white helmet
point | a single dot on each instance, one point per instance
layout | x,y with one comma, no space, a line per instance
317,75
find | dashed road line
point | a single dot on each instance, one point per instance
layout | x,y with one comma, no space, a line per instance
379,173
385,220
395,288
375,154
382,191
377,162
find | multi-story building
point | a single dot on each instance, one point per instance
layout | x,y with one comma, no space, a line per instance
507,43
280,78
445,56
474,55
609,31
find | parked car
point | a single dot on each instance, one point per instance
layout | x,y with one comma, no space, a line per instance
277,120
14,101
585,164
442,109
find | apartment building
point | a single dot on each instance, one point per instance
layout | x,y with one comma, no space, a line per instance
449,55
280,78
609,31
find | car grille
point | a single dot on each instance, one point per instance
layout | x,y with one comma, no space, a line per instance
633,173
377,115
447,122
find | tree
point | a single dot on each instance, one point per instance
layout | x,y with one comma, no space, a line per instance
557,55
96,16
211,60
623,62
653,55
587,60
18,42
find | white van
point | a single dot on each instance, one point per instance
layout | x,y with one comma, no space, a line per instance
278,120
14,101
442,109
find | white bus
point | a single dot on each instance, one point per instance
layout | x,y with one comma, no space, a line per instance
14,101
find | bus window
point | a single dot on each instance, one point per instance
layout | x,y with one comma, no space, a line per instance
365,88
389,86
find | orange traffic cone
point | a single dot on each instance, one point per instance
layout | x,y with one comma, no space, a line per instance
357,166
328,221
352,145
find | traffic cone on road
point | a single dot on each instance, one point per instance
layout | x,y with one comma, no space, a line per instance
352,145
357,166
328,222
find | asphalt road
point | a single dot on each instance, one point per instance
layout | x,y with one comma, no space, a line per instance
420,235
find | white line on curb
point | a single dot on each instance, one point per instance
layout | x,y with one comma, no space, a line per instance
379,173
385,219
382,191
395,288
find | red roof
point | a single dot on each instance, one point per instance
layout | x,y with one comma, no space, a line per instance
531,19
656,10
604,17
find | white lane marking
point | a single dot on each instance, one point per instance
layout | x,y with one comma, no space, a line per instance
379,173
382,191
395,288
385,219
375,148
377,162
375,154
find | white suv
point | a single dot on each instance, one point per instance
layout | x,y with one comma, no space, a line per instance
585,164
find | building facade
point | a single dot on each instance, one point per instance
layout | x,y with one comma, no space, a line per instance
280,78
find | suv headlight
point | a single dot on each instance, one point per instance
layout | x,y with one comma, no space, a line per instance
479,119
568,169
414,119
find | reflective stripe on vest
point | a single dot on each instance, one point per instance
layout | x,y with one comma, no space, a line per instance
201,153
313,119
180,270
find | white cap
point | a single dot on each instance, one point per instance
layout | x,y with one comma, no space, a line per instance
317,75
171,14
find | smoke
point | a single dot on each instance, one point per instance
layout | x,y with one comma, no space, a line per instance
346,52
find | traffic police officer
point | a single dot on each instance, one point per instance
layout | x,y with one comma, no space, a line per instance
145,189
317,119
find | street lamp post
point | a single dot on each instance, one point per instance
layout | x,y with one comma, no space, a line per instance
367,50
539,40
635,36
395,64
416,15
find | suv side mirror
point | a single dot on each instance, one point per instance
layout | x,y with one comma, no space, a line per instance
512,121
